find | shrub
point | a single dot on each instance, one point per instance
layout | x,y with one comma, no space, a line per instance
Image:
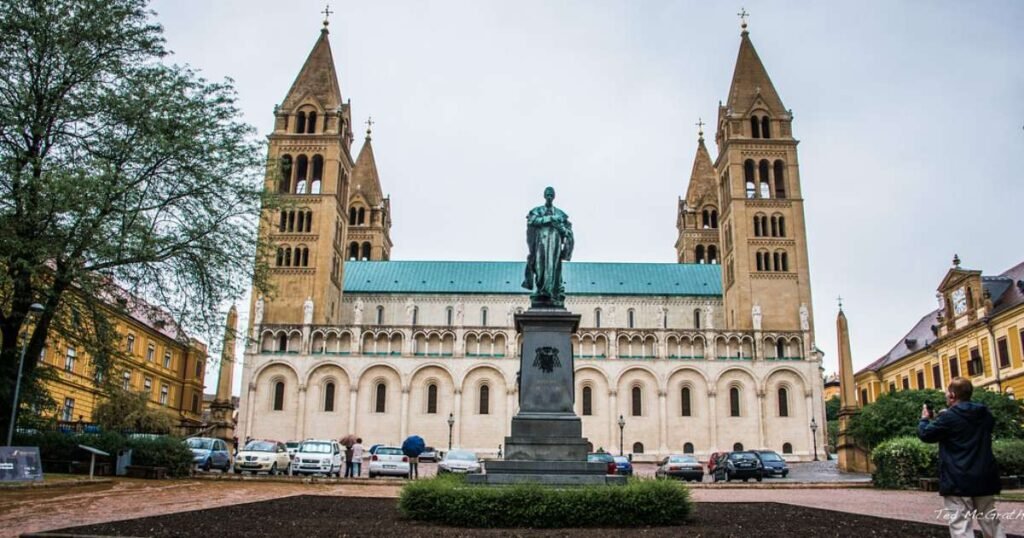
900,462
449,500
162,451
156,451
1010,456
125,411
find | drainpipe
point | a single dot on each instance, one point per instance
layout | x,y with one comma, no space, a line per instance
992,351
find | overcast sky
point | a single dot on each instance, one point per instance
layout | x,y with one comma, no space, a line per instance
910,118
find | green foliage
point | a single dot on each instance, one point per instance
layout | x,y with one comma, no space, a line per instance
833,435
832,408
162,451
1009,455
448,500
124,410
1007,411
902,461
158,451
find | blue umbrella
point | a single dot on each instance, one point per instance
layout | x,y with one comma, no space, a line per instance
413,446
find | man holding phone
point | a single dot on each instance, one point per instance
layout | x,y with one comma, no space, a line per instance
968,475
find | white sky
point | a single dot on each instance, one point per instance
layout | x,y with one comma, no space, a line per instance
910,117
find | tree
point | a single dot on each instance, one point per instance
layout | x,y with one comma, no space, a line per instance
832,408
129,411
118,173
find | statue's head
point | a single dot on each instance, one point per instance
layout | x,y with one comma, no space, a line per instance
549,194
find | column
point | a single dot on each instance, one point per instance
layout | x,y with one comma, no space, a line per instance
808,396
510,404
353,401
713,420
761,414
457,431
613,418
663,422
662,344
405,413
250,404
300,421
407,343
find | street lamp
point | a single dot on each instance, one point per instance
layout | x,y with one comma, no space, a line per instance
32,311
622,425
814,436
451,424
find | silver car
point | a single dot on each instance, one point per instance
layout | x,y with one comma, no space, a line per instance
459,461
389,461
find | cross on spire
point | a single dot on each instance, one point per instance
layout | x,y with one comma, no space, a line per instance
327,15
840,299
743,18
700,128
369,126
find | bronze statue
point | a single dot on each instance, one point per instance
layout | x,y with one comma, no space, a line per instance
549,237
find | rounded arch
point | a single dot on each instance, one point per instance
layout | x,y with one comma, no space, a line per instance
644,370
361,376
477,369
780,371
320,372
599,373
424,366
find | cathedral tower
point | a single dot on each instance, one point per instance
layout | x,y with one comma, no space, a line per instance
697,220
762,211
309,164
369,211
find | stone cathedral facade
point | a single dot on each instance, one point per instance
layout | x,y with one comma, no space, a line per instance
714,352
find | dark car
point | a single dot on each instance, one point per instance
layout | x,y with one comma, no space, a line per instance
429,454
739,465
623,466
773,463
713,461
682,466
603,457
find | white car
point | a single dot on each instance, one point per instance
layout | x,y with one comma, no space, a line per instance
459,461
270,457
389,460
315,456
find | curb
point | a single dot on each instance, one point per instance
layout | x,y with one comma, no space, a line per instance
62,484
303,480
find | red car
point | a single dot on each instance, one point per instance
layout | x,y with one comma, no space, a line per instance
603,457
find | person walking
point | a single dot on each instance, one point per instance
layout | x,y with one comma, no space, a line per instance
968,474
348,461
357,457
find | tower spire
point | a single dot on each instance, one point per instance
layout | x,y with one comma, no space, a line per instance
327,15
369,128
700,130
743,20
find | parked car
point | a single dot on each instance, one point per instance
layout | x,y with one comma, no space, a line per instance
263,456
623,466
373,449
459,461
682,466
713,460
316,456
209,453
603,457
429,454
773,463
739,465
389,460
291,446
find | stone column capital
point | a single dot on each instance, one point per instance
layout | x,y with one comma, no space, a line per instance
711,393
612,393
662,393
302,388
457,392
760,394
353,389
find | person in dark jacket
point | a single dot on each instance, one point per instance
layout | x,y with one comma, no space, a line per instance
968,475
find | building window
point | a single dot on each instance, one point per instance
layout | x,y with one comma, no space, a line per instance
164,392
780,180
906,383
147,384
892,387
920,379
637,407
687,448
381,398
485,400
734,402
1004,353
737,447
415,314
588,401
863,396
279,396
696,318
631,318
638,448
783,402
685,408
597,320
150,352
69,360
126,380
974,367
954,367
483,316
329,397
431,399
167,359
937,376
68,412
380,315
787,448
130,343
199,369
195,404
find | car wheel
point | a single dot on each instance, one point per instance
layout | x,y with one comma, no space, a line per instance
273,469
207,465
759,479
745,480
238,471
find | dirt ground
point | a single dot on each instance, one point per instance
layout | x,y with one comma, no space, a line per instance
321,516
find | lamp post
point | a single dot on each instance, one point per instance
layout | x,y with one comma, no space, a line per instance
814,436
451,424
622,425
32,311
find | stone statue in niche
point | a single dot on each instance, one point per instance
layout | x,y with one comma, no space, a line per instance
550,241
755,314
307,311
805,318
257,316
357,312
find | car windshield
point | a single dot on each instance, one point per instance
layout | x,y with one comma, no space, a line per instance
389,451
599,457
682,459
429,449
735,456
461,456
770,456
621,459
261,446
292,444
315,448
204,444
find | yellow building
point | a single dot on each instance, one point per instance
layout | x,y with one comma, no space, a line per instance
831,387
976,332
157,357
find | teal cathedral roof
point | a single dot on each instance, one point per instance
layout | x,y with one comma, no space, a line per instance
581,278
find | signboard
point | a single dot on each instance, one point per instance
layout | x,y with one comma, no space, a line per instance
20,463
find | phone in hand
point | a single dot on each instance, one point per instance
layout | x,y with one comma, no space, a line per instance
931,412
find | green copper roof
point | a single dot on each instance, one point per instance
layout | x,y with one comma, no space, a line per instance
581,278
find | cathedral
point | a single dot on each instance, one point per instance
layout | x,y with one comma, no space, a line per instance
712,352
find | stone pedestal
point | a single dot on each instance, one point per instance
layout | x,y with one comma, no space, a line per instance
223,422
852,457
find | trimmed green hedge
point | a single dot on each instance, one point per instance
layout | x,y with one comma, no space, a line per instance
157,451
902,461
1010,456
448,500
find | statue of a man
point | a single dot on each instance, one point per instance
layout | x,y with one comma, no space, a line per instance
357,312
307,311
805,317
257,317
755,313
549,237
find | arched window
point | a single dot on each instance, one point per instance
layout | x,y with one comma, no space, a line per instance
776,261
483,316
282,342
311,123
780,180
766,131
712,254
737,447
301,174
305,257
698,254
780,349
714,218
284,183
353,251
588,401
381,398
782,226
631,318
329,397
686,410
318,174
755,127
775,226
280,257
351,216
366,251
287,256
300,122
279,396
361,216
787,448
380,315
301,221
449,314
283,221
760,261
431,399
748,177
757,226
785,261
734,402
783,402
696,318
762,189
687,448
638,448
415,315
637,407
485,400
597,318
705,219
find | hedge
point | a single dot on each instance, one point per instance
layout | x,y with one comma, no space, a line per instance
902,461
157,451
448,500
1010,456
